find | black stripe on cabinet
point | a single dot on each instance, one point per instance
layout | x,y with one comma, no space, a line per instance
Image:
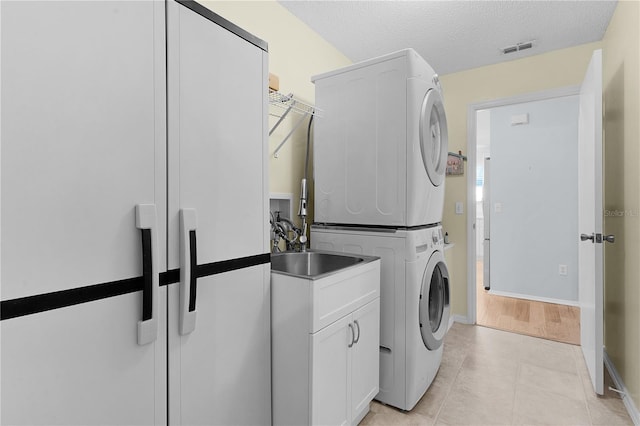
232,264
61,299
229,26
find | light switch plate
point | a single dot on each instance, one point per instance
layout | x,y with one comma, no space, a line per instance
459,207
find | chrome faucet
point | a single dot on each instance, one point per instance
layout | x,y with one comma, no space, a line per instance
302,213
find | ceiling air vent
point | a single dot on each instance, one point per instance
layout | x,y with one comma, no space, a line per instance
518,47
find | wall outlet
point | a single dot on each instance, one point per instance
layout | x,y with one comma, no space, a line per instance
459,207
498,207
562,269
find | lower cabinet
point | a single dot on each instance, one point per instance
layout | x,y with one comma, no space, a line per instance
344,368
325,372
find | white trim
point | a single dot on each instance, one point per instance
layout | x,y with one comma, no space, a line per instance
629,404
461,319
536,298
472,109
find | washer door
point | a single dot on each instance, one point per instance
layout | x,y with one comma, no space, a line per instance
434,137
434,302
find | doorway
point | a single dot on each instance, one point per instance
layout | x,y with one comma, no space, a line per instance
523,208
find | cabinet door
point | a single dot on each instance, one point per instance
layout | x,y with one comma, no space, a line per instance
222,370
365,354
83,143
217,88
330,373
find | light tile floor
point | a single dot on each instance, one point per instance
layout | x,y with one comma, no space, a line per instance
492,377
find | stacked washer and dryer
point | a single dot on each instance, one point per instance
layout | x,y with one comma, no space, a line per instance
380,154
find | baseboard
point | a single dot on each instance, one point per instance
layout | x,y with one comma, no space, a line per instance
459,318
617,380
535,298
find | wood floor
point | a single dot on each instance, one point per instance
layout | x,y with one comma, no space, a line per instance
539,319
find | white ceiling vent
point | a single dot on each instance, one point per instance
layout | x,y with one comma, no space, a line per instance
518,47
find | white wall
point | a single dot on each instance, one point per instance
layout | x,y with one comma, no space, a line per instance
534,178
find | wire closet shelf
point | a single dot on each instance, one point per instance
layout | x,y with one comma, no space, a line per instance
289,103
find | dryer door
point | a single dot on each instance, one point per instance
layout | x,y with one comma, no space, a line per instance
434,302
434,137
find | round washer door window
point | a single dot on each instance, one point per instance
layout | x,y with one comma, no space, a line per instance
434,302
434,137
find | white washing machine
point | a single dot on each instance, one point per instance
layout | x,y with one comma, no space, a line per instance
414,302
380,149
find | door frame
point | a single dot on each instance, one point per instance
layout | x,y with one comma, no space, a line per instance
472,110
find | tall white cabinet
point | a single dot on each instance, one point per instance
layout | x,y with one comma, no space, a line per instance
218,99
117,120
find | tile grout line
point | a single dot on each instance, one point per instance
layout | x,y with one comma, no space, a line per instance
446,397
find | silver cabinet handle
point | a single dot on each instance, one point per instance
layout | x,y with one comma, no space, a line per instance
188,264
353,335
609,238
358,338
146,221
585,237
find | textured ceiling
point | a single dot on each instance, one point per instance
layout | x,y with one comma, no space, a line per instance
454,35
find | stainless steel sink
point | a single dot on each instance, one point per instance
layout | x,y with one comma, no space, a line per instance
313,264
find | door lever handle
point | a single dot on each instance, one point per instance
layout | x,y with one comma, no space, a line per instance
585,237
609,238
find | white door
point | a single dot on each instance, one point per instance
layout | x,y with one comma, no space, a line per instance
590,221
82,144
331,373
219,347
365,357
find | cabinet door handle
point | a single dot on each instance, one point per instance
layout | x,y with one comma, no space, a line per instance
188,267
353,335
146,221
357,338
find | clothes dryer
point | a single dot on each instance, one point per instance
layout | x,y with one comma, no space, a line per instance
414,302
380,149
